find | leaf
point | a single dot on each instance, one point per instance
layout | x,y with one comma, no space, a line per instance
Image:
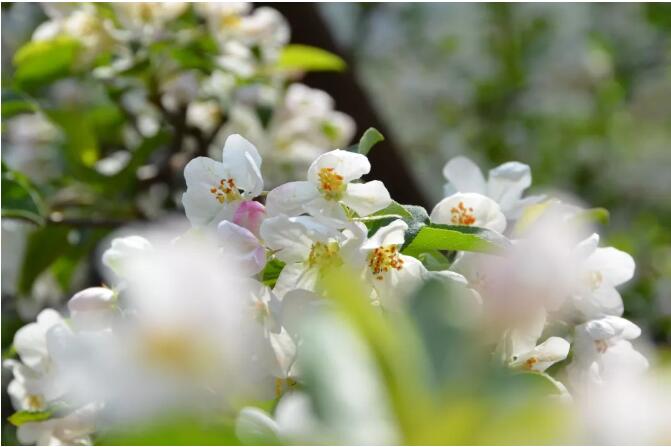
21,417
307,58
20,199
593,215
414,216
271,272
370,138
81,142
453,237
13,104
41,62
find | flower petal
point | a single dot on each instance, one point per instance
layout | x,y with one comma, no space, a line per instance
464,176
243,161
484,211
349,165
290,198
295,276
243,245
391,234
366,198
616,266
507,183
291,238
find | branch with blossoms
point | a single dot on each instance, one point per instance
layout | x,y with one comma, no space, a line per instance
353,318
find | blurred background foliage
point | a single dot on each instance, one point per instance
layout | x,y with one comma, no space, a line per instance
580,92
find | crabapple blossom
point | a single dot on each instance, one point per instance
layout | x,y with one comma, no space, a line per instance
469,209
215,190
329,186
505,185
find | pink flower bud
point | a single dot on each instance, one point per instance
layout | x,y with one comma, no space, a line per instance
249,215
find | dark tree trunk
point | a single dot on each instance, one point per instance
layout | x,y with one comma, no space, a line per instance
308,27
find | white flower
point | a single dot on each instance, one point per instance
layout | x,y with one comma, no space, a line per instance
72,429
306,246
30,341
602,350
92,308
204,115
393,275
505,186
123,249
600,270
330,186
469,209
216,189
147,20
525,354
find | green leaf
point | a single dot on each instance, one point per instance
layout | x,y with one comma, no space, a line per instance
14,104
81,145
271,272
307,58
370,138
453,237
20,199
593,215
21,417
41,62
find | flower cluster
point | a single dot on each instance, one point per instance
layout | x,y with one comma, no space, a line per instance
217,315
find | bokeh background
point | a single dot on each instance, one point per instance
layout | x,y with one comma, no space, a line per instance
580,92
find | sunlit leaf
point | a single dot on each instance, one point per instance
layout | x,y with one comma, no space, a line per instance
307,58
454,237
21,417
41,62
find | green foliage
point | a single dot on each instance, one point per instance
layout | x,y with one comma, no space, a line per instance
455,238
173,430
20,198
40,62
21,417
370,138
306,58
271,272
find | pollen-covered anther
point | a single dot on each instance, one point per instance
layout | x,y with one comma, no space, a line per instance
331,184
35,402
384,259
226,191
601,346
324,254
531,361
462,215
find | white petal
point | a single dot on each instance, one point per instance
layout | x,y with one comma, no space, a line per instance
585,248
290,237
243,245
237,148
296,276
551,351
601,302
329,212
297,305
616,266
507,183
486,212
391,234
397,285
348,164
202,209
204,172
367,198
464,176
243,162
611,327
290,198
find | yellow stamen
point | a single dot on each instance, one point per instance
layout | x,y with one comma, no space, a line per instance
226,191
462,215
331,184
384,259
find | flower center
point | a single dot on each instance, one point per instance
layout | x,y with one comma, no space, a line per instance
282,385
226,191
229,21
34,402
601,346
462,215
383,259
594,278
529,364
324,255
331,184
